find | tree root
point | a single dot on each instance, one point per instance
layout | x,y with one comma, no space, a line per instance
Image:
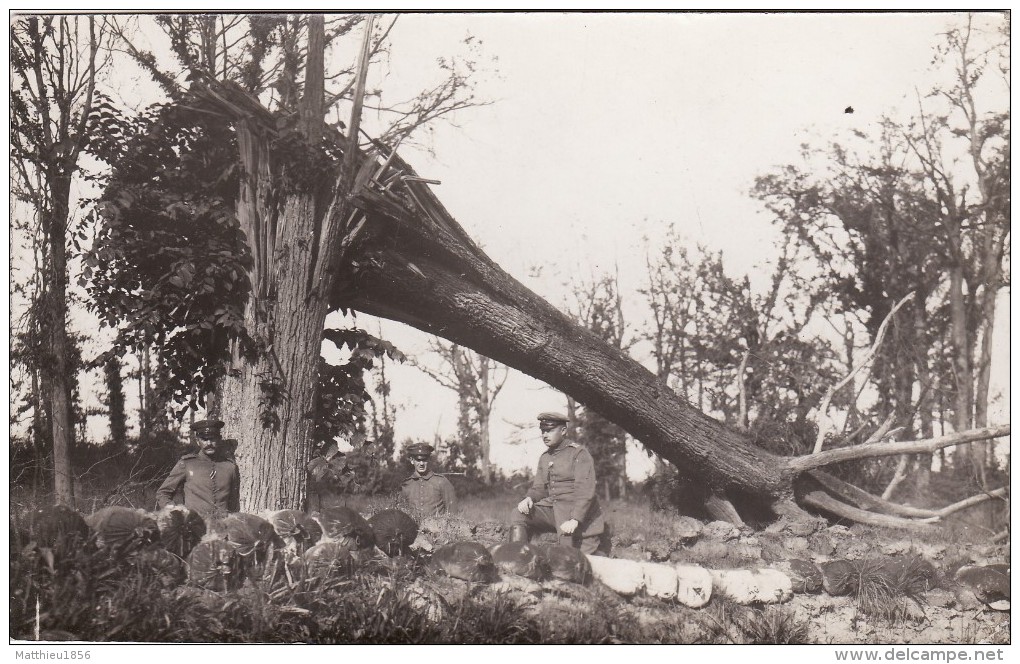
823,501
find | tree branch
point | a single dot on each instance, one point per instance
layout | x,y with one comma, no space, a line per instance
865,361
823,501
928,445
970,502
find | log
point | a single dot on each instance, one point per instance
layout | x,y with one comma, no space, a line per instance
426,272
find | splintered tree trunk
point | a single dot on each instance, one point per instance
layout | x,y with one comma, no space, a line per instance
432,276
267,403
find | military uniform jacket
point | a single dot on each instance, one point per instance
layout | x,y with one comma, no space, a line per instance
209,485
429,493
566,481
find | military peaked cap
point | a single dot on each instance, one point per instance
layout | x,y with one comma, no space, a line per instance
207,425
419,450
556,418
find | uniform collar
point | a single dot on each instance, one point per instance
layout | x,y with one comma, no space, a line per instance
426,476
564,444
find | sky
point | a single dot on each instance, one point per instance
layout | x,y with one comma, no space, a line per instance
605,128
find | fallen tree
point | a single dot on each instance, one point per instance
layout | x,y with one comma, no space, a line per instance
387,247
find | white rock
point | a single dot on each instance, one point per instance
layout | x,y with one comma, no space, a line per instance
660,580
624,577
767,586
694,585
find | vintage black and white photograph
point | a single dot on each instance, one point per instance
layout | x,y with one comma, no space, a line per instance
443,328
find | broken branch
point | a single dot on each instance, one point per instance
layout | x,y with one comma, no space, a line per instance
927,445
865,361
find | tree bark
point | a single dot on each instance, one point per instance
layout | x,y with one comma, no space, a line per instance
963,458
267,402
57,374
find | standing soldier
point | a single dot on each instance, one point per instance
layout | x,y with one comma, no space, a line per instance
426,492
562,497
209,478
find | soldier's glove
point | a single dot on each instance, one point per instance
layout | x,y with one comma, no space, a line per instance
568,527
524,507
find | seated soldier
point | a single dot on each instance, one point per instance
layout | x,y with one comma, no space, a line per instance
562,497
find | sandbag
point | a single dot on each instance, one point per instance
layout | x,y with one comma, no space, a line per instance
344,525
298,531
252,534
170,570
565,563
989,584
394,531
215,565
838,577
326,559
180,529
123,528
766,586
624,577
693,585
805,576
55,525
469,561
660,580
518,558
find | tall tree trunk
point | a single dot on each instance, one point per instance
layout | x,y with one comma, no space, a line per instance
267,402
267,397
115,401
57,376
963,456
484,413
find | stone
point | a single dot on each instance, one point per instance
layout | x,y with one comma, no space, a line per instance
720,530
822,544
798,545
686,528
803,527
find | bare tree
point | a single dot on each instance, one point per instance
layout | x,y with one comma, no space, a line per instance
477,382
54,61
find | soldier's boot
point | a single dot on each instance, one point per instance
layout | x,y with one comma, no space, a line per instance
519,534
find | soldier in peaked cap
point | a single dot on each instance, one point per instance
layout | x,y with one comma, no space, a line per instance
562,497
426,492
208,478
